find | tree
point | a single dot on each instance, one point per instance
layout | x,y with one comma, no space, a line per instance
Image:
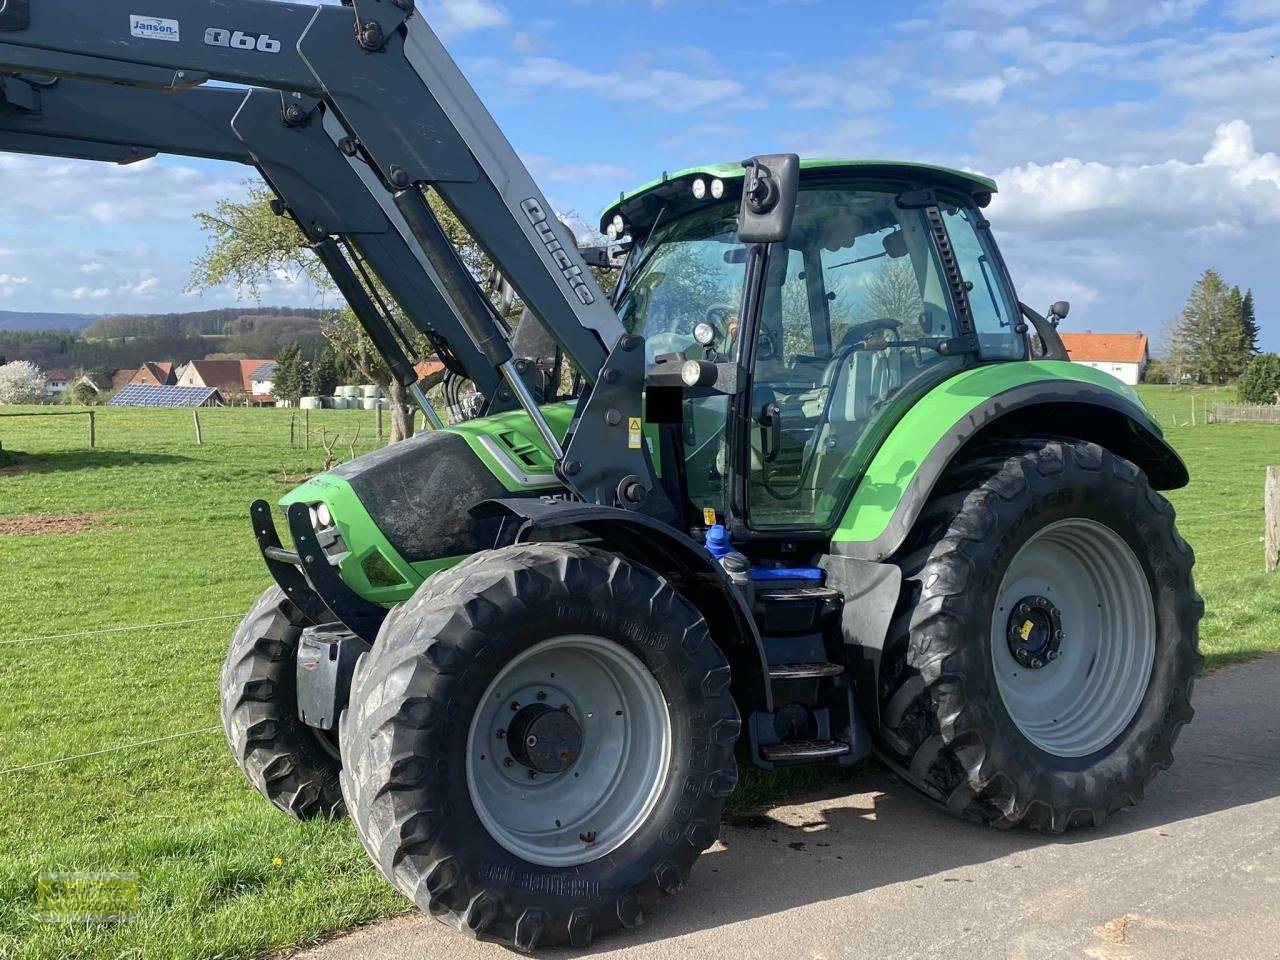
290,379
1260,382
1250,323
1211,332
82,393
21,382
249,244
326,373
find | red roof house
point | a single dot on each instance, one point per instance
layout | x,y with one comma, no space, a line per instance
1123,355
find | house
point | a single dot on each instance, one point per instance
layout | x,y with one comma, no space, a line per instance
57,381
1123,355
232,378
428,368
100,382
262,382
153,375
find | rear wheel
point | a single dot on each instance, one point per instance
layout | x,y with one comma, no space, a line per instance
1044,649
539,745
291,764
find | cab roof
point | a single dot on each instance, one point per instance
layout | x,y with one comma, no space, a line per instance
639,206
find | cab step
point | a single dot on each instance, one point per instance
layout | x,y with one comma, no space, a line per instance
804,751
804,671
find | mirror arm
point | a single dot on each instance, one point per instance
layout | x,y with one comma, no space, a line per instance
1054,348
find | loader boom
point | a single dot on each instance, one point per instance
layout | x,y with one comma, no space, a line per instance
319,187
379,67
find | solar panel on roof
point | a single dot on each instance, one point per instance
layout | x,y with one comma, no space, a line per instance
153,396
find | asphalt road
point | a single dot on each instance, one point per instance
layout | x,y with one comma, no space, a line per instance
1192,872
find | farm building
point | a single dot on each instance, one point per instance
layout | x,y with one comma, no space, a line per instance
57,381
262,382
153,375
1123,355
231,378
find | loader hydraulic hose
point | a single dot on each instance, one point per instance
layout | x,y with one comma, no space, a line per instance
330,254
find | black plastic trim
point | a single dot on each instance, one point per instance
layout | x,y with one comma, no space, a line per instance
286,575
359,615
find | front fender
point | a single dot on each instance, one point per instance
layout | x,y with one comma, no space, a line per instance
671,554
1036,398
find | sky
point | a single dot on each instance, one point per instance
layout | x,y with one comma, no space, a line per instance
1135,142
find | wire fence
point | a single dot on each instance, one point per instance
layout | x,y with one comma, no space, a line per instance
116,749
129,629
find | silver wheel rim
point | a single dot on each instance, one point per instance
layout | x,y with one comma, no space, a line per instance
1080,701
594,806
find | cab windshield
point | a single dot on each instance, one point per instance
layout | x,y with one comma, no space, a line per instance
690,270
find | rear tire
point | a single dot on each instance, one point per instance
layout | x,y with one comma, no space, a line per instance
286,760
1008,741
467,835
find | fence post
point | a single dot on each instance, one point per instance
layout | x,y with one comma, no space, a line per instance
378,407
199,433
306,416
1273,519
292,420
93,432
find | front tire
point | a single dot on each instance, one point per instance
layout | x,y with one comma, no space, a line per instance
287,761
540,744
1042,657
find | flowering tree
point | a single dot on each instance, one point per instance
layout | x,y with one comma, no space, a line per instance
21,382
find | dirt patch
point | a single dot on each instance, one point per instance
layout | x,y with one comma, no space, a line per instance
1115,931
48,524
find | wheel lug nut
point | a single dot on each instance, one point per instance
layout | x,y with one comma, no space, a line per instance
507,762
541,695
531,741
501,734
515,705
533,774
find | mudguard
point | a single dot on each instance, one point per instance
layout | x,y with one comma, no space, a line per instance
673,555
1043,397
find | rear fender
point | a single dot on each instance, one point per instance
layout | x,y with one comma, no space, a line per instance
1036,398
674,556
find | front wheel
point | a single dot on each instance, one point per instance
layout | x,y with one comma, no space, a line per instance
1045,645
539,745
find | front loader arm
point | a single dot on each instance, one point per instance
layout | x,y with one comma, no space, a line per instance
318,186
380,68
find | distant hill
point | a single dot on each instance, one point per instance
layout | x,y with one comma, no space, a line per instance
24,320
124,341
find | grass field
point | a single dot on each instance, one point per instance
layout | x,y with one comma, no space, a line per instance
149,528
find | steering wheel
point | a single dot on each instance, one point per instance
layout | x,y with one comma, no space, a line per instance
862,331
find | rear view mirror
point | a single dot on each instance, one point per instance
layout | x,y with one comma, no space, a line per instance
769,198
1059,311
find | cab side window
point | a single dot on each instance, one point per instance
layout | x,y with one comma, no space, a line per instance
995,313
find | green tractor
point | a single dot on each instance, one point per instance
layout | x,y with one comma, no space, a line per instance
904,524
811,484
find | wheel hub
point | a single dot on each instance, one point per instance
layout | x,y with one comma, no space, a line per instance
545,739
1034,632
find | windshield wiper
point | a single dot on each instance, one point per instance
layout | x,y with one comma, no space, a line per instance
645,257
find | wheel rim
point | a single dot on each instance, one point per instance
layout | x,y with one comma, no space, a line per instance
591,794
1073,670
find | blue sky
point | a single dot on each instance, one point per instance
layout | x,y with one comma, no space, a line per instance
1135,142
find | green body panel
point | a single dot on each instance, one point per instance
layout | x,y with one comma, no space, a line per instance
520,445
364,540
928,421
735,171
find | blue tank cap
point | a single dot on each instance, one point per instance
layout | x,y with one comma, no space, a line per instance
788,573
718,544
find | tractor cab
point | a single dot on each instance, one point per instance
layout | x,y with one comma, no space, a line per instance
887,283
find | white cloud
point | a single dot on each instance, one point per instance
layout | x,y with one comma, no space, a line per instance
453,17
554,171
1232,189
665,89
76,191
1254,9
9,284
89,269
814,90
80,294
146,287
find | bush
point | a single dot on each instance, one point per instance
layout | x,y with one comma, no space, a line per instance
1260,381
1158,371
81,394
21,382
